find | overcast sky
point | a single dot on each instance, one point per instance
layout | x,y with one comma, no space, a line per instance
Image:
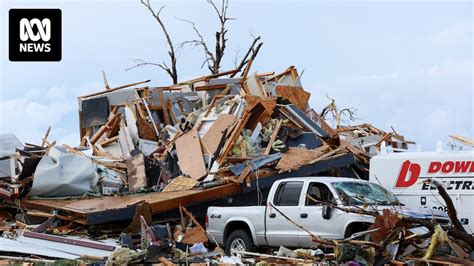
402,64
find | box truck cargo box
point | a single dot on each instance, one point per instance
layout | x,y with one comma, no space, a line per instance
403,174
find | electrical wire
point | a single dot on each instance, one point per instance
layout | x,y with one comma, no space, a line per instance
255,169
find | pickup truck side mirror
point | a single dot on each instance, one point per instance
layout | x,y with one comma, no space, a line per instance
326,212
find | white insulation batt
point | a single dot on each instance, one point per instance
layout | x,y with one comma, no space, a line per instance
63,174
9,245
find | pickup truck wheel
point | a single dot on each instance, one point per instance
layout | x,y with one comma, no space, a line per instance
356,229
238,240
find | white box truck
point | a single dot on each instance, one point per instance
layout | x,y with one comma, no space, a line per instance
403,174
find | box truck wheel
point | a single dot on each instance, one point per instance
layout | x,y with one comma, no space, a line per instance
238,240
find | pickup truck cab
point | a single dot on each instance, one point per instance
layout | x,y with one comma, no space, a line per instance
243,228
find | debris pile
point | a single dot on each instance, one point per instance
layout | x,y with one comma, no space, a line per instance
200,133
146,152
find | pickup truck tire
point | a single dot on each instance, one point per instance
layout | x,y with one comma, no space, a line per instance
239,240
356,228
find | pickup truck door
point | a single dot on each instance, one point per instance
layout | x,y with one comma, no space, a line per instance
312,219
279,231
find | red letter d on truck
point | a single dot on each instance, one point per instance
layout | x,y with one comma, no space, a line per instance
403,179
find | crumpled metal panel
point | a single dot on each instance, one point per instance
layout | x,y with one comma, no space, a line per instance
255,163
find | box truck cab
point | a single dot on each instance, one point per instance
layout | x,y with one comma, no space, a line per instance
403,174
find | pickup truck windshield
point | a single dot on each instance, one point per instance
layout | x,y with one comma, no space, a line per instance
358,193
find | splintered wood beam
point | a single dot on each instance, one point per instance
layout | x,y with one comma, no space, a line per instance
115,109
233,136
61,239
327,155
246,70
166,88
289,69
212,104
164,105
103,129
46,151
243,149
229,72
138,107
385,138
108,141
114,127
114,89
191,217
45,138
463,140
211,87
245,173
272,138
106,83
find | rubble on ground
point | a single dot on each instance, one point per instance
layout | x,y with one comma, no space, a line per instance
146,152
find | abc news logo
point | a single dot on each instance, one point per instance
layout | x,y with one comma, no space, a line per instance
35,35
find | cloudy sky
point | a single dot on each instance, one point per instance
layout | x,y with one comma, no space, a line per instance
403,64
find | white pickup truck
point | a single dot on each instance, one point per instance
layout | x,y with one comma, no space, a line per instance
242,228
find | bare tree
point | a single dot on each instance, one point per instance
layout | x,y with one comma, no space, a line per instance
214,59
170,70
343,115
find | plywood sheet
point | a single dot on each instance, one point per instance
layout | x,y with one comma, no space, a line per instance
215,133
194,235
145,130
136,172
296,95
190,159
296,157
268,103
180,183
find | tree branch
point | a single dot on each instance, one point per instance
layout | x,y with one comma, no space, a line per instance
141,62
458,231
449,203
172,71
220,35
200,42
252,50
338,115
213,59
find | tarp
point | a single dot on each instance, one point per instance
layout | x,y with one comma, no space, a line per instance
63,174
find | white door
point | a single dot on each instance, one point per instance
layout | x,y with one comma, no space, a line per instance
279,231
311,215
